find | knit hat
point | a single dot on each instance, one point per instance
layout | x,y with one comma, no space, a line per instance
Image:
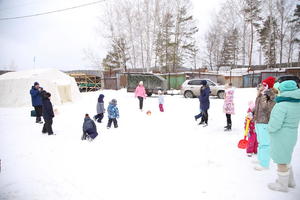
36,83
251,105
141,83
288,86
114,101
269,81
100,98
204,82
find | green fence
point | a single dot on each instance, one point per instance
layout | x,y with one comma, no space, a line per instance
174,81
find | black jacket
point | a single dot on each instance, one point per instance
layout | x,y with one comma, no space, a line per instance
47,109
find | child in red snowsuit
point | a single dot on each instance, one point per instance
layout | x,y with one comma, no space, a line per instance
252,140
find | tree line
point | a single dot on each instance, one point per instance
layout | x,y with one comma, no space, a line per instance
149,34
245,31
162,34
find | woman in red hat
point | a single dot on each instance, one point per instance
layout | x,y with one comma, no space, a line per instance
263,106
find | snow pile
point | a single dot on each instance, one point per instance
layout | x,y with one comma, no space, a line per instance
15,86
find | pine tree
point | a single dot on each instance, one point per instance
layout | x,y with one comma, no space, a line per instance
267,39
252,12
184,43
230,48
164,44
117,57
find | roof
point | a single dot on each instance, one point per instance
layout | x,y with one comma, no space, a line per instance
87,72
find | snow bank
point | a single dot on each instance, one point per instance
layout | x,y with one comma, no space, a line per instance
15,86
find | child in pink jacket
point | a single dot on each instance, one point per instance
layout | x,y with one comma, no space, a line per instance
252,138
228,105
140,93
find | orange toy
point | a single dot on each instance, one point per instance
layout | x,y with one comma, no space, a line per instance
148,112
243,144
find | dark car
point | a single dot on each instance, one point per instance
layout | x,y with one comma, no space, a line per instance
289,77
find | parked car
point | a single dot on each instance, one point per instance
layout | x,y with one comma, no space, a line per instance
289,77
191,88
152,82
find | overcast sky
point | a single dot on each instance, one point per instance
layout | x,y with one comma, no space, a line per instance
57,40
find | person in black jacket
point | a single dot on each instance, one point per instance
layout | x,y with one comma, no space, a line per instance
36,100
48,114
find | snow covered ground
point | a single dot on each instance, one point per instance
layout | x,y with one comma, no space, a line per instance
165,156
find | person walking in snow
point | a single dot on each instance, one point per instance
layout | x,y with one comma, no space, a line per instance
204,102
252,139
161,101
140,93
228,107
283,131
263,106
48,113
100,109
113,114
36,100
89,128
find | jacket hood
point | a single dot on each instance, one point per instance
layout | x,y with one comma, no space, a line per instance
295,94
87,119
100,98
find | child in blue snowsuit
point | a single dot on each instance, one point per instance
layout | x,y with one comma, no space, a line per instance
113,113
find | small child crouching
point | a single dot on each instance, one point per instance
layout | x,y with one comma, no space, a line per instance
89,129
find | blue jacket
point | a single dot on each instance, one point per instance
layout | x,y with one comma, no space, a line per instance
47,109
204,98
89,127
113,111
36,97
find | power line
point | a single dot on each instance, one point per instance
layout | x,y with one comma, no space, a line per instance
53,11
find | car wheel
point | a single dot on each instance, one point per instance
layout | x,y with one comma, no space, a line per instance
221,94
149,94
188,94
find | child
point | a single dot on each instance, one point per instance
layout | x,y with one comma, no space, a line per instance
228,105
161,101
140,93
252,139
89,128
113,113
100,109
263,106
48,113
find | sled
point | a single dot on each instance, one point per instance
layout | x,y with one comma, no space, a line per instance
243,144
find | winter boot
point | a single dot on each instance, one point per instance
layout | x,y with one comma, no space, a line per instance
228,127
292,183
281,183
260,168
38,120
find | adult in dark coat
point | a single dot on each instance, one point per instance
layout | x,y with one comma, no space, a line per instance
204,102
89,128
36,100
48,114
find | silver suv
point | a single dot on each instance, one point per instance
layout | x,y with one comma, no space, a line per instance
191,88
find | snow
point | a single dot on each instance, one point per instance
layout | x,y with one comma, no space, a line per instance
162,156
15,86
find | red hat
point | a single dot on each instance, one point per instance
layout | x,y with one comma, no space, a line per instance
269,81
